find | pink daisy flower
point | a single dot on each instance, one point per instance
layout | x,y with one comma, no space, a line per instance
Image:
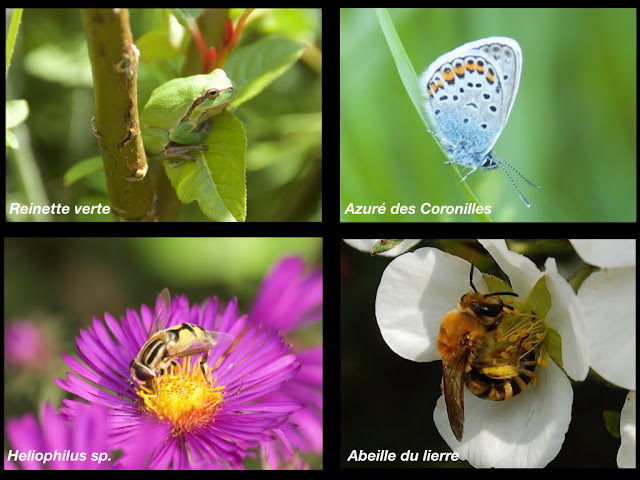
190,418
290,299
56,444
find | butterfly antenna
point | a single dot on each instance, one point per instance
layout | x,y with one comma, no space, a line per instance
514,184
521,175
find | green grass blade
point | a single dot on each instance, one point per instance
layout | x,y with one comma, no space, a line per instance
410,82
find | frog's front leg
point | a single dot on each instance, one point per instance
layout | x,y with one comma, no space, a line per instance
174,150
190,133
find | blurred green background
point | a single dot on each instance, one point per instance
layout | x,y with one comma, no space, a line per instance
572,129
59,284
50,69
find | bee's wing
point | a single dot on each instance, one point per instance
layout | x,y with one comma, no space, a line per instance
453,380
160,313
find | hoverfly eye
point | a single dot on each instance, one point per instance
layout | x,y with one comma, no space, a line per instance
143,374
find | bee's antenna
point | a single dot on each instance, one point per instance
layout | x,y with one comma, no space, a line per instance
471,278
495,294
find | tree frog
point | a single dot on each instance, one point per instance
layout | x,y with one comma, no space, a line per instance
177,117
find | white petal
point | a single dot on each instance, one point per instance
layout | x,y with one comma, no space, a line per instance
416,290
608,300
525,431
627,451
366,245
606,253
567,318
521,270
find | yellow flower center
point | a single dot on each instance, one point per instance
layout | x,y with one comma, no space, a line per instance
184,397
524,330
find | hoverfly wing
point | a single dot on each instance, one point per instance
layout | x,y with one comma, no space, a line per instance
453,380
160,313
222,338
213,339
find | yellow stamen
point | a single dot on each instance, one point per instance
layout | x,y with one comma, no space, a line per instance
183,397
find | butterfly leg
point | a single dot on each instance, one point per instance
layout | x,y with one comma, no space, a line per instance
465,177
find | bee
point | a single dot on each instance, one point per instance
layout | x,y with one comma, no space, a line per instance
485,348
164,346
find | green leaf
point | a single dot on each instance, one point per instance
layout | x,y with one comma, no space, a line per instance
540,299
410,81
216,179
82,169
16,112
385,244
186,16
495,284
156,45
553,345
254,67
612,422
66,64
11,140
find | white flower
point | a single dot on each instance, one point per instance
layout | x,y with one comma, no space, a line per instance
417,290
608,299
627,451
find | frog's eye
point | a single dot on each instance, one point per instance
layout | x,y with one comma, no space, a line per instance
212,93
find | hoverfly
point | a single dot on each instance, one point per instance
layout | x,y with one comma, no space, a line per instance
164,346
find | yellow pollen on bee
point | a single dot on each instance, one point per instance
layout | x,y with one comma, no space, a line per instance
183,397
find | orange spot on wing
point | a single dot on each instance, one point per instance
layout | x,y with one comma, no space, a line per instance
448,74
434,87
